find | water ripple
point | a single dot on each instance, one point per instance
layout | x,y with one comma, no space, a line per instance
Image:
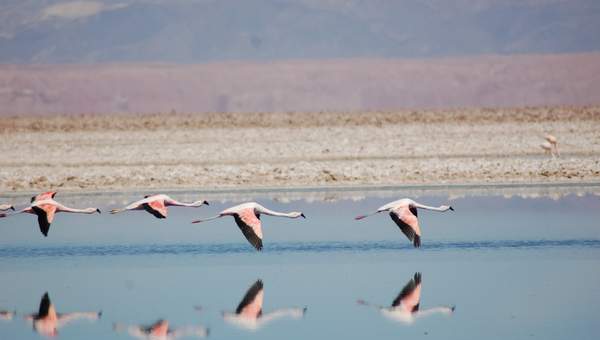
289,247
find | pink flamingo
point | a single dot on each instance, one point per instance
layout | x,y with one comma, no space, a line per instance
157,205
249,313
404,213
45,207
247,217
405,307
47,321
160,331
7,315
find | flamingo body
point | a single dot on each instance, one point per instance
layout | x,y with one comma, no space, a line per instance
404,213
45,208
157,205
47,321
247,218
406,306
249,313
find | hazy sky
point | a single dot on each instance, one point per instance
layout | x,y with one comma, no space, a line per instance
203,30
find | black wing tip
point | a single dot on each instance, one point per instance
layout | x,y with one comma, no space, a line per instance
417,241
417,277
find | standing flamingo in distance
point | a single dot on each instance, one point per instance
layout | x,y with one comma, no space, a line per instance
45,207
405,307
249,313
550,145
160,331
47,321
404,213
247,217
157,205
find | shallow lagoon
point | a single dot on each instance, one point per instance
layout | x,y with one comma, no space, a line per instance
513,267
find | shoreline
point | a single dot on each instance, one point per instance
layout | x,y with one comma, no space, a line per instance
300,150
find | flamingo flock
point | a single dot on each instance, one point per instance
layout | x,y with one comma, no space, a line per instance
247,216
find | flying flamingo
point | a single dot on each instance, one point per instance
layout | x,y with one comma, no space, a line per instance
47,321
404,213
249,314
405,307
157,205
45,207
247,217
160,331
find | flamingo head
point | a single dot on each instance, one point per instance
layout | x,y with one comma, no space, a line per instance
296,214
446,208
200,203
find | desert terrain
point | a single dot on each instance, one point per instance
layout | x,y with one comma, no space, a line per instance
284,150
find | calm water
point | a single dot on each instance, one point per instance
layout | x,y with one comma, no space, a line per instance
513,267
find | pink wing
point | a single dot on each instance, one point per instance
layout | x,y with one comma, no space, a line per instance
43,196
252,302
249,224
156,208
410,296
408,223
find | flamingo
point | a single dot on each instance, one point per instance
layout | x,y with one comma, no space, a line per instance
553,141
160,330
45,207
404,213
249,314
157,205
47,321
7,315
405,307
247,217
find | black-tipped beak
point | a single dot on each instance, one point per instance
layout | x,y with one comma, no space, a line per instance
451,208
302,215
205,202
13,208
98,210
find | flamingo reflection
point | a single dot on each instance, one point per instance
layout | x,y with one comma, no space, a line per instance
405,307
47,321
160,330
249,313
7,315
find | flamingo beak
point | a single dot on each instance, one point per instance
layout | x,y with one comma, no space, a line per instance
451,208
205,202
12,207
98,210
302,214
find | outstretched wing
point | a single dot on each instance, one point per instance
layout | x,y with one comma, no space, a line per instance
156,208
44,306
251,304
410,295
250,226
45,214
408,223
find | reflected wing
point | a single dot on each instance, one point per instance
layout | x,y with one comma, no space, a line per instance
250,226
156,208
408,223
251,304
44,306
45,214
410,295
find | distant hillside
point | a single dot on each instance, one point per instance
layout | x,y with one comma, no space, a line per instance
192,31
316,85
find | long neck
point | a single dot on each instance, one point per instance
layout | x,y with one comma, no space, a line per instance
183,204
421,206
266,211
78,211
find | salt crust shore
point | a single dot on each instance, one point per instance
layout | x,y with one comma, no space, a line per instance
212,152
